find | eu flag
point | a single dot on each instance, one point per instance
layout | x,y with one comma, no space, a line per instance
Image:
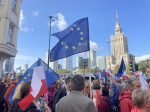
104,75
73,40
50,76
122,68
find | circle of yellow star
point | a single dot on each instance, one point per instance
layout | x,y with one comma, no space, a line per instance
78,28
29,74
67,47
81,33
71,29
79,43
25,77
22,81
73,47
75,25
62,43
81,38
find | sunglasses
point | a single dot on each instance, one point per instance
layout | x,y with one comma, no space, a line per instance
88,87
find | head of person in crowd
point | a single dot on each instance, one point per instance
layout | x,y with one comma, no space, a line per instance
141,100
105,91
25,89
77,83
112,80
68,83
119,87
57,85
5,79
17,92
96,86
96,81
132,84
119,81
18,77
86,90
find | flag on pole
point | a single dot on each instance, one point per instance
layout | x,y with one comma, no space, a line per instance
38,87
147,70
50,76
104,75
121,69
108,73
73,40
143,82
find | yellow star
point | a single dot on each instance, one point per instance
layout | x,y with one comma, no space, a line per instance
81,38
25,77
75,25
71,29
29,74
79,43
78,28
81,33
62,43
73,47
22,81
67,47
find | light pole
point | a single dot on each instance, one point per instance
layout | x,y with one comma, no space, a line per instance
50,17
109,55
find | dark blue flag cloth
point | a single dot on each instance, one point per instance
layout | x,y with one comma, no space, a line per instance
121,69
73,40
104,75
50,76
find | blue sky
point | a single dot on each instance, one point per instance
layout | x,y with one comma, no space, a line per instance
134,18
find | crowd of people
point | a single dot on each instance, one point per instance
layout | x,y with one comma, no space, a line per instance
75,94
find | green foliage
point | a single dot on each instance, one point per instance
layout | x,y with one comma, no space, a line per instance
128,68
63,71
143,65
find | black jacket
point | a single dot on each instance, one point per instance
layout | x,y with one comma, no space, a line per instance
15,107
61,93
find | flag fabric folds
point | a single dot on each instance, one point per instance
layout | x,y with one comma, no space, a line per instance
73,40
104,75
122,68
38,87
108,73
50,76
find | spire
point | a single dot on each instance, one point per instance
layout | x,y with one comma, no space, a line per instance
116,16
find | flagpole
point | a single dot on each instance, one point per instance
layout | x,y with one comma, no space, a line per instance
50,17
109,56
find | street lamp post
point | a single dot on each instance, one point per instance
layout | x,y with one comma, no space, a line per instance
50,17
109,56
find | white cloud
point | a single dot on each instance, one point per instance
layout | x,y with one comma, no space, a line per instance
93,46
144,57
21,60
22,22
35,13
60,23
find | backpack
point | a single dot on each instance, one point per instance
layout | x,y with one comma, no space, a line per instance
115,106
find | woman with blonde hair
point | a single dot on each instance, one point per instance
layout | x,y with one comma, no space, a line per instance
17,92
86,89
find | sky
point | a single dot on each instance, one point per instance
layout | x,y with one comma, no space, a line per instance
33,35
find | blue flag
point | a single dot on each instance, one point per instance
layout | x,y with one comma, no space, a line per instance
121,69
104,75
50,76
73,40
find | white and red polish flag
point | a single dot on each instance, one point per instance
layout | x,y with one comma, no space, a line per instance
147,70
108,73
38,87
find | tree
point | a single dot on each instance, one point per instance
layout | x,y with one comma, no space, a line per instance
128,68
142,66
63,71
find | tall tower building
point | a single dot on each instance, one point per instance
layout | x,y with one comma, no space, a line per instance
92,59
67,63
119,47
52,65
9,25
101,62
78,61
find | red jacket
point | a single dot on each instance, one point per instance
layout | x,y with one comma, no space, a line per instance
8,92
134,109
126,103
